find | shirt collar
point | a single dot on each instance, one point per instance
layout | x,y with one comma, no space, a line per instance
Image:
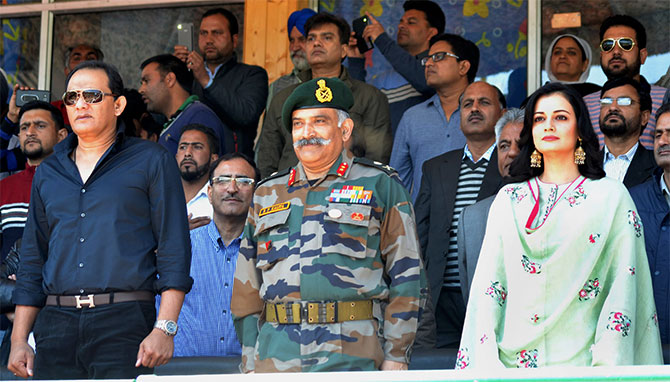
202,191
341,167
214,234
664,187
627,156
487,154
72,140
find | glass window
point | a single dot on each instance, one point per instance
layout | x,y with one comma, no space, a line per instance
19,50
126,38
498,27
583,19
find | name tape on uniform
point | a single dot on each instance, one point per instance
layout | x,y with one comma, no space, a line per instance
350,194
274,208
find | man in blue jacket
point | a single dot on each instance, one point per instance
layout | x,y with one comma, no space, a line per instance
652,199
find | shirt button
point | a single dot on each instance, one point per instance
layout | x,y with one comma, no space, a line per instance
83,190
83,215
657,273
228,259
81,291
664,228
81,239
222,338
81,265
226,285
225,311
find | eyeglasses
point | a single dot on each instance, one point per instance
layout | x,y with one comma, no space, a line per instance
439,56
224,180
71,97
621,101
625,43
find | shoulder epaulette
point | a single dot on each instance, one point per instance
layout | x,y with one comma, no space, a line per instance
274,175
378,165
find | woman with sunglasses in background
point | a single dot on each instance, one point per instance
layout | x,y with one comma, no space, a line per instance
562,277
568,61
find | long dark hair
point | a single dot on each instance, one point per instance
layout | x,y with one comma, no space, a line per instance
520,169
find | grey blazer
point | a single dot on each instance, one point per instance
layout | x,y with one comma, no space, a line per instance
471,230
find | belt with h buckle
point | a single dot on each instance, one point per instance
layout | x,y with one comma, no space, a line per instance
326,312
93,300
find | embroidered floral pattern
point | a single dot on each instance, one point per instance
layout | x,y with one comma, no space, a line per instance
594,237
483,339
619,322
462,359
534,319
551,201
529,266
590,290
631,270
635,221
654,318
526,359
576,197
497,292
516,193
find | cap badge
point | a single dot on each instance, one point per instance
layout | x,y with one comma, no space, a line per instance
323,93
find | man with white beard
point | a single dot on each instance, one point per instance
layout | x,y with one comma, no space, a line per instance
296,46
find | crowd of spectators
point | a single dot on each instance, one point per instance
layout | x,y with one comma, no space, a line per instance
452,143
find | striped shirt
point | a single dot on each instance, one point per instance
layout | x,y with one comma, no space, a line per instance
470,181
14,201
647,138
205,322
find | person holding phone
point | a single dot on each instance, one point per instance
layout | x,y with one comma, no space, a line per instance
405,84
237,92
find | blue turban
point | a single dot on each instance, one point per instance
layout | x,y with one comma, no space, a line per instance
298,19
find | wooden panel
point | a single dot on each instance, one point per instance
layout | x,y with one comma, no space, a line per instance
276,48
265,35
255,19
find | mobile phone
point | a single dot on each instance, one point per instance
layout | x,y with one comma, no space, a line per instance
359,25
185,35
25,96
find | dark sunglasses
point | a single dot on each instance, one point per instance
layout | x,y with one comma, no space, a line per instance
70,97
625,43
439,56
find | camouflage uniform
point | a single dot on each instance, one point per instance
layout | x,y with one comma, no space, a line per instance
304,254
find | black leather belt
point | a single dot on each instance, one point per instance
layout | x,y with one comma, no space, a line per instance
93,300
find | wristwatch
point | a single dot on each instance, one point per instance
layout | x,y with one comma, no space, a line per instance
168,327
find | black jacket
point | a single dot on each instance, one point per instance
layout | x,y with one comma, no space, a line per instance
435,207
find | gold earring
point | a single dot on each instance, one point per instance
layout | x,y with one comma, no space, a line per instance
580,155
535,159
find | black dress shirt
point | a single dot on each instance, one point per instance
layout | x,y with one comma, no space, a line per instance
116,232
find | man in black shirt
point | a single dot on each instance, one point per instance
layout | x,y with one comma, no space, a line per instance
98,234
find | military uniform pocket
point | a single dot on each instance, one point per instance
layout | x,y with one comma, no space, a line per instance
272,239
346,229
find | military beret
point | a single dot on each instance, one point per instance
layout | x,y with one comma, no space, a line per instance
317,93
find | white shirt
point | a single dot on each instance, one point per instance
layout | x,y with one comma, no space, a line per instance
616,167
487,154
200,205
664,189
